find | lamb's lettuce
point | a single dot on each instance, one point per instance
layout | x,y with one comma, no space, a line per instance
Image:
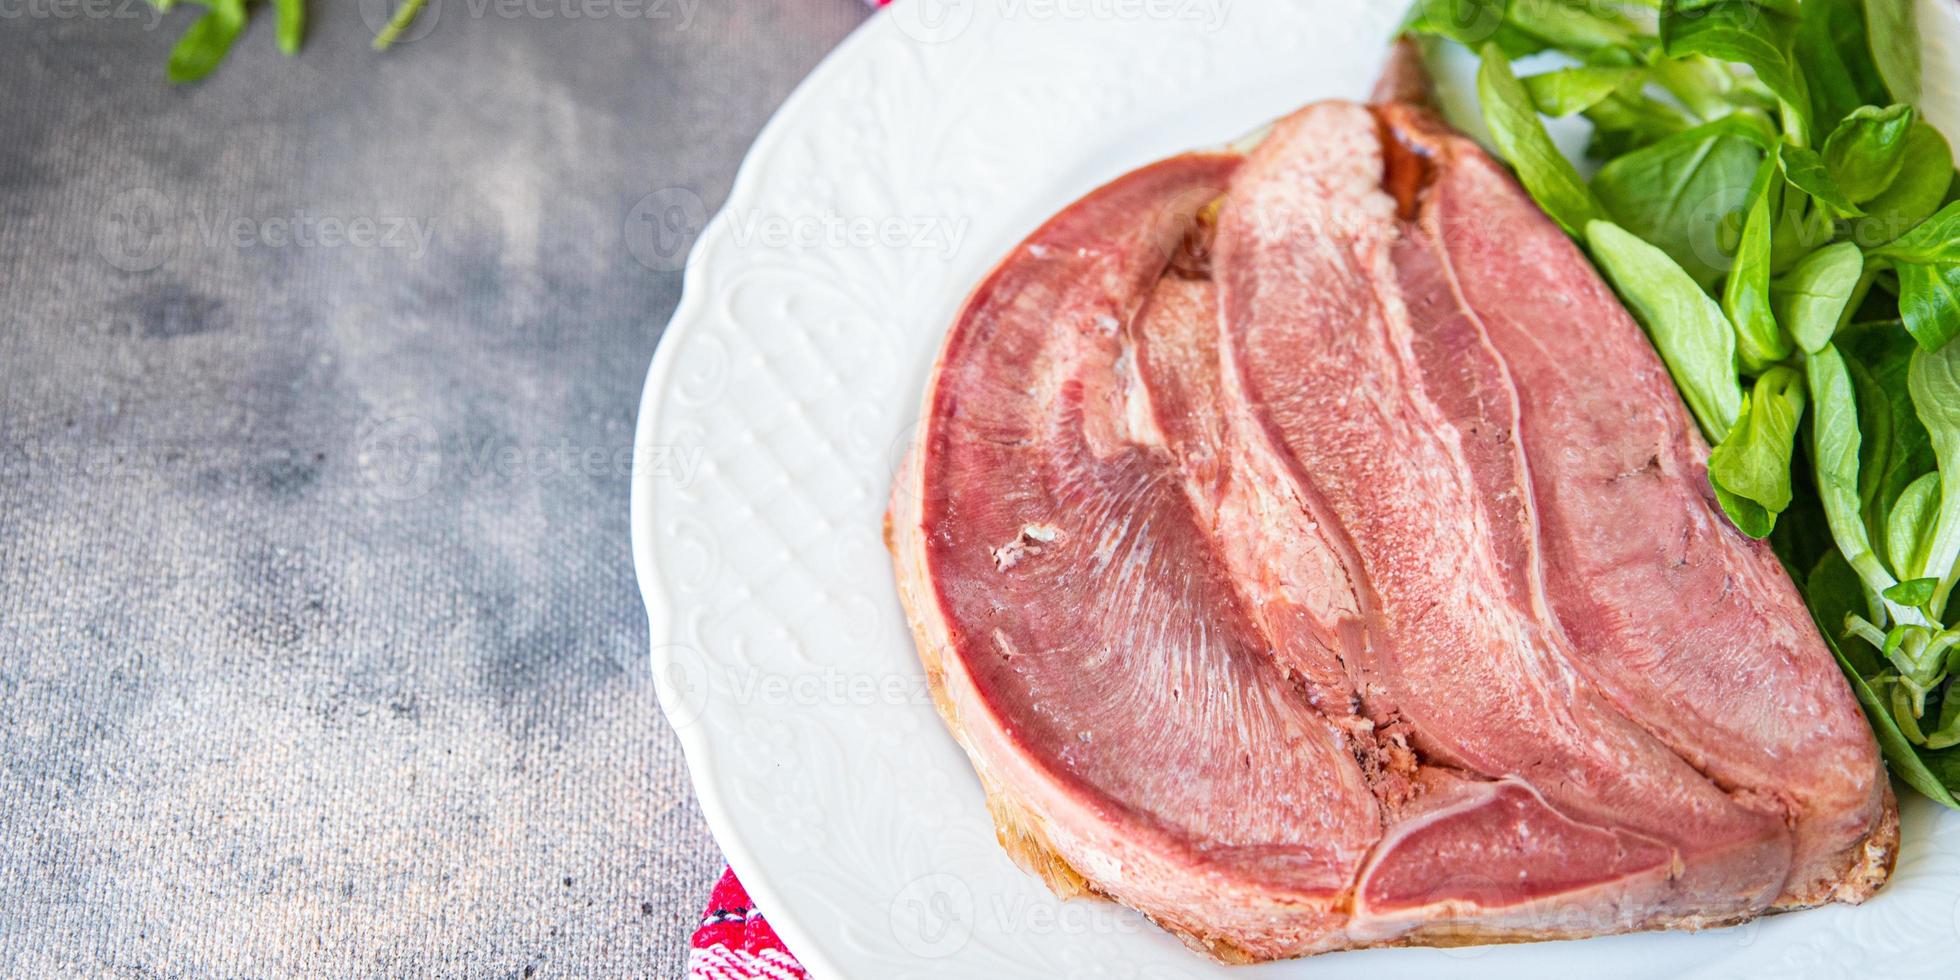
1746,295
1929,303
1807,170
1834,451
1925,173
1893,37
1753,462
1814,297
1935,241
1834,46
1688,328
1865,151
1521,138
1678,192
1909,532
1833,593
1743,32
1573,90
1934,383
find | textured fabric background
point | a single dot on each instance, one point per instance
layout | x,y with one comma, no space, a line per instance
320,649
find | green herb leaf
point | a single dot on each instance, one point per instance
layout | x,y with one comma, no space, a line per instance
1894,36
1865,151
1737,30
292,24
1678,192
1754,461
1570,90
1834,594
1837,63
1925,173
1748,516
1807,171
1471,23
1802,226
1894,449
1811,299
1829,587
1909,530
1706,86
1834,452
1687,327
1929,303
1934,382
207,41
1802,535
1745,294
1521,138
404,16
1626,121
1934,241
1586,29
1913,592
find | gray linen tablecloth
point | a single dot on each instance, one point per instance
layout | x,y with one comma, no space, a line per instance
277,695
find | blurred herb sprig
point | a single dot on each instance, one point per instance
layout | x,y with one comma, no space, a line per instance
210,37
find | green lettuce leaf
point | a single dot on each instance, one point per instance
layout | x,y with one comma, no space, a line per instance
1893,33
1811,300
1834,451
1678,192
1837,62
1832,593
1929,303
207,41
1745,293
1934,241
1740,31
1693,336
1573,90
1806,170
1909,532
1934,383
1865,151
1925,173
1754,461
1521,138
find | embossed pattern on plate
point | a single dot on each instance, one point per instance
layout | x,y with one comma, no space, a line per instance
931,141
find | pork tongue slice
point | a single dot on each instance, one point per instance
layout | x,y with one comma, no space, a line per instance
1133,734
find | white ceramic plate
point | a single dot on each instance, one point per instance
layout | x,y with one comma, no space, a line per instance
784,393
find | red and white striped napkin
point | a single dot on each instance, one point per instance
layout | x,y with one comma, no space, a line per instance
734,942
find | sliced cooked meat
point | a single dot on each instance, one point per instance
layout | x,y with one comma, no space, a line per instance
1685,624
1594,463
1309,552
1320,342
1080,632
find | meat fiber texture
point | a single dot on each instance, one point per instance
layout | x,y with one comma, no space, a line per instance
1310,552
